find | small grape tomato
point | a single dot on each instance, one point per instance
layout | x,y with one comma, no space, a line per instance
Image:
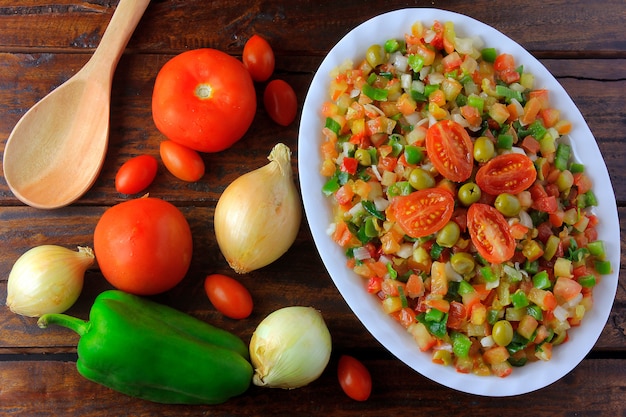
490,233
423,212
184,163
258,58
228,296
354,378
280,102
136,174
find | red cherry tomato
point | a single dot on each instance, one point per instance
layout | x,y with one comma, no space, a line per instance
204,99
143,246
354,378
182,162
136,174
228,296
281,102
450,149
258,58
423,212
507,173
490,233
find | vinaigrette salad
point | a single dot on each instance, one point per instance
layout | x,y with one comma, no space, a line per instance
458,201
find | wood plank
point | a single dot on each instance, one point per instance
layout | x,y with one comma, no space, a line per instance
176,26
41,388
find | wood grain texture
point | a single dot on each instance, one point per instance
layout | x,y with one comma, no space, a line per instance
42,44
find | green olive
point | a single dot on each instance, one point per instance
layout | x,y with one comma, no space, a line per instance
375,55
363,156
469,193
448,235
502,332
507,204
421,179
483,149
462,262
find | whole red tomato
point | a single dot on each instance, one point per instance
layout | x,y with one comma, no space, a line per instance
143,246
204,99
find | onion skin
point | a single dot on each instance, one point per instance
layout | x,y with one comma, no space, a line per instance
47,279
290,348
257,217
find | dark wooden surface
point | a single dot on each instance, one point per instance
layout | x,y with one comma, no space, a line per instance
43,43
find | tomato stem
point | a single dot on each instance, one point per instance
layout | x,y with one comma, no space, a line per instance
203,91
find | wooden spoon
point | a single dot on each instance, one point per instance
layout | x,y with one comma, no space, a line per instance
55,152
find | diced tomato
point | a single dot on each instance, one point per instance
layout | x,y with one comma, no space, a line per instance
457,315
565,289
422,337
530,145
344,194
374,285
349,165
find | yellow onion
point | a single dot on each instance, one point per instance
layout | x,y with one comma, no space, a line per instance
290,348
47,279
258,215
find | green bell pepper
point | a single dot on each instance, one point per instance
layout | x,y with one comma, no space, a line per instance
151,351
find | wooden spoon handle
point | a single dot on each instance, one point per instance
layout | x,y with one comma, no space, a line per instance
117,34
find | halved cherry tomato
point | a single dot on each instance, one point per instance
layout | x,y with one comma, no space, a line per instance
228,296
136,174
507,173
258,57
450,149
204,99
280,102
490,233
182,162
423,212
354,378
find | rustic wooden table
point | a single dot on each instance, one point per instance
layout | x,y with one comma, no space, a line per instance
43,43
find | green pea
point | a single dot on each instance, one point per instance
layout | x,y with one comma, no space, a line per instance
483,149
462,262
420,179
502,332
448,235
375,55
363,156
507,204
469,193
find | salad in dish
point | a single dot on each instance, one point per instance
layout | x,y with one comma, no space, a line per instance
458,201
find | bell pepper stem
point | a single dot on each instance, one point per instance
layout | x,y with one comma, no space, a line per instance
79,326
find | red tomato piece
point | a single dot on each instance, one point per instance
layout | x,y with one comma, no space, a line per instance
507,173
204,99
182,162
136,174
228,296
258,58
280,102
423,212
354,378
450,149
490,233
143,246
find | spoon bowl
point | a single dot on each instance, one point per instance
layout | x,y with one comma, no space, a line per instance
55,152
